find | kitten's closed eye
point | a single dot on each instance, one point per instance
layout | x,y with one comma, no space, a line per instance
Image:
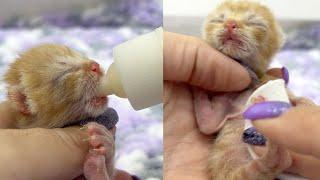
256,22
219,19
260,25
62,63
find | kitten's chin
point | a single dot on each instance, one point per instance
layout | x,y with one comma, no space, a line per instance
237,48
234,52
95,110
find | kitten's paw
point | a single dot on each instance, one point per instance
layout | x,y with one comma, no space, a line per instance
99,161
276,159
101,140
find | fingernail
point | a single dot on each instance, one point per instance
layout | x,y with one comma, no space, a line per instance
285,74
268,109
253,137
134,177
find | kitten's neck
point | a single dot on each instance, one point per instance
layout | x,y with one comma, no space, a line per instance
256,67
256,63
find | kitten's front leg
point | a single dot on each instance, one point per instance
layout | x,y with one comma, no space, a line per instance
274,161
230,159
99,163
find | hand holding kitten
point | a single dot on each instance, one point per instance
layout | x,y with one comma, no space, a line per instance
187,61
305,148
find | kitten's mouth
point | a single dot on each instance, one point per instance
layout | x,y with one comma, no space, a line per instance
232,39
232,42
99,101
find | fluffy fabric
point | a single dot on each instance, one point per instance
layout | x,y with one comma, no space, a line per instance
108,119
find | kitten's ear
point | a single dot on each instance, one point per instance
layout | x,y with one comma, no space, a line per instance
282,36
18,100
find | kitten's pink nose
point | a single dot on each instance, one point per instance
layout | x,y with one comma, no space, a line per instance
231,25
95,67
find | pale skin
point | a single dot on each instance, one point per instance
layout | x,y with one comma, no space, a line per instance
302,123
187,61
52,153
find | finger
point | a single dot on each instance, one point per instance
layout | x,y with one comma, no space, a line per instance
296,129
191,60
122,175
305,165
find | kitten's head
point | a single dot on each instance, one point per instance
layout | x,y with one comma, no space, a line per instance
246,31
54,82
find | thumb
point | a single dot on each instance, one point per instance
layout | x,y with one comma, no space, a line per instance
191,60
297,129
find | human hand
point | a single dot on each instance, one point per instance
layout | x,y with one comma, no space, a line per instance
297,129
189,61
44,154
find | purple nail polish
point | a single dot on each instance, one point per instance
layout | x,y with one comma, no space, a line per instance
268,109
285,74
253,137
134,177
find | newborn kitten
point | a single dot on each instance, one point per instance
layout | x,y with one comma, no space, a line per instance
247,32
52,86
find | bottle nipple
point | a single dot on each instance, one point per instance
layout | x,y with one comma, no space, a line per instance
111,83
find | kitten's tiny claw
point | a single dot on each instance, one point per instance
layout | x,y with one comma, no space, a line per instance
84,128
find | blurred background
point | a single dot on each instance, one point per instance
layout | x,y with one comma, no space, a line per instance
93,27
300,20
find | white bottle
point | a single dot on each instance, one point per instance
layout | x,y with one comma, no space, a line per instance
137,71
